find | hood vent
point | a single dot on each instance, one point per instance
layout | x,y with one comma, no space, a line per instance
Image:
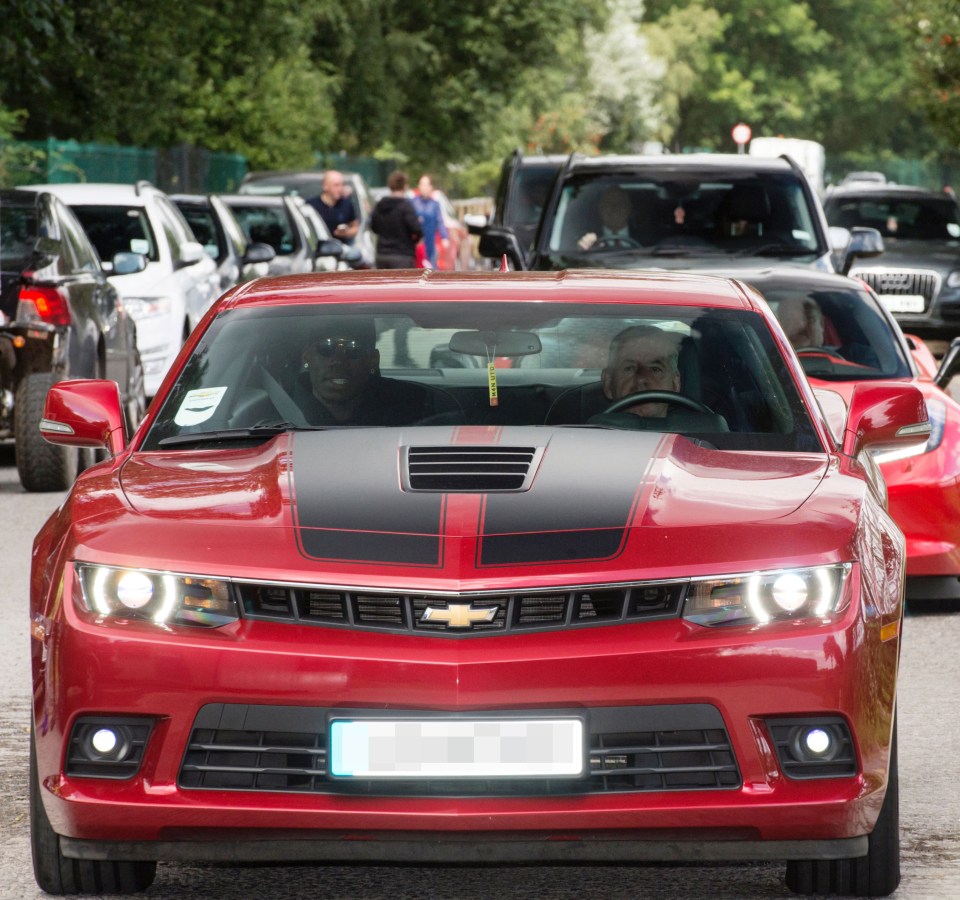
470,469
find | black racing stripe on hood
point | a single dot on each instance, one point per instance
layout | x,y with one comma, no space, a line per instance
582,500
348,504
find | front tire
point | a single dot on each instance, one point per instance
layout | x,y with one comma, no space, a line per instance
41,466
875,875
58,875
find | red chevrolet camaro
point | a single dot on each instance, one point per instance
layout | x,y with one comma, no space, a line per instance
856,341
590,580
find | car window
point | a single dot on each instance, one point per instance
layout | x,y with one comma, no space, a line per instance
473,364
203,224
268,225
230,225
118,229
840,335
908,218
174,226
18,232
84,256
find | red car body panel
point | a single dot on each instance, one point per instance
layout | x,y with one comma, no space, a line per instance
688,511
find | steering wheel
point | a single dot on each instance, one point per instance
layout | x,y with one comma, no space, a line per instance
657,397
614,242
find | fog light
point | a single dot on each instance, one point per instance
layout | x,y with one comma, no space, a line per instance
818,741
814,743
107,746
104,741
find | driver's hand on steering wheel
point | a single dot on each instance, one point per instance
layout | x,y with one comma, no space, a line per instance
587,240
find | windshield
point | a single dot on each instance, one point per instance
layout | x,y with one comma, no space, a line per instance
118,229
839,335
716,374
266,225
607,219
906,218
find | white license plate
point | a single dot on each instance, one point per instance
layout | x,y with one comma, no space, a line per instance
455,748
902,303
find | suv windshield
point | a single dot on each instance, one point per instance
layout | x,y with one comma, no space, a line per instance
605,219
896,216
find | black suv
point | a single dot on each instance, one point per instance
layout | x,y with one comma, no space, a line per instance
918,278
59,318
679,212
522,192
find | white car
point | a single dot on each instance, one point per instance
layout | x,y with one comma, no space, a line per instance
180,280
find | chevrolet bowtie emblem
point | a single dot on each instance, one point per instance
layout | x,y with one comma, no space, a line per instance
458,615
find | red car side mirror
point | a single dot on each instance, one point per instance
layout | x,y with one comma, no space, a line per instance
84,413
885,416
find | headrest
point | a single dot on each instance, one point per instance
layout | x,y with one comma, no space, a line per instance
748,202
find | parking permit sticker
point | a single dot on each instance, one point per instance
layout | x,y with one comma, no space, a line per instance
199,405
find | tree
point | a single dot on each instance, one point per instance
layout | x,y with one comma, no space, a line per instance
934,26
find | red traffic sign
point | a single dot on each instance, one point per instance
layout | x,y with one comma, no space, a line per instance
741,133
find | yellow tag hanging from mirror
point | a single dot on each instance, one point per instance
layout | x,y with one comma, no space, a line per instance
492,382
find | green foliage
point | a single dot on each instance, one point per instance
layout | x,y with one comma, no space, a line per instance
437,82
934,26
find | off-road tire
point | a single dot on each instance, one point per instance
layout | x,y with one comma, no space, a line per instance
875,875
41,466
58,875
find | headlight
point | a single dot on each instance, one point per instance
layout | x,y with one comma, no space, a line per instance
762,597
937,411
156,596
953,279
147,307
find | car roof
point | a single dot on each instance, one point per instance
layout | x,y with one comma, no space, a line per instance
889,188
255,199
567,286
683,161
103,194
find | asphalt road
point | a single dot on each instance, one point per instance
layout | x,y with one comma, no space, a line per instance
929,783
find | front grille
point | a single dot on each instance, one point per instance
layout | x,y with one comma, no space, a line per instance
631,749
902,282
460,614
469,469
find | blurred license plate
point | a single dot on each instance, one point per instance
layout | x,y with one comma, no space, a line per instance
455,748
902,303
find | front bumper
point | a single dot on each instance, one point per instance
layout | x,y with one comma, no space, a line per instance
295,674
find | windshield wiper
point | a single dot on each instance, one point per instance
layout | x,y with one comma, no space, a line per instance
258,432
775,250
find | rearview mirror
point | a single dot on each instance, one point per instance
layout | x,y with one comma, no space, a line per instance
495,343
126,263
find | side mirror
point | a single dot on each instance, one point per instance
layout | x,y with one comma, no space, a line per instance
330,247
84,413
864,243
497,241
258,252
126,263
475,222
191,252
885,415
950,365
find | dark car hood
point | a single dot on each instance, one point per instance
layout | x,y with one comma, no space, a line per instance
333,502
941,255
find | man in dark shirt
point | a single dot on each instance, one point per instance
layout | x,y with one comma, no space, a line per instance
336,209
343,384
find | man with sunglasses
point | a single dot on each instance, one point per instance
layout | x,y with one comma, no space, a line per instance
343,385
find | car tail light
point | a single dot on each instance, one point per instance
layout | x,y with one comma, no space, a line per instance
44,304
